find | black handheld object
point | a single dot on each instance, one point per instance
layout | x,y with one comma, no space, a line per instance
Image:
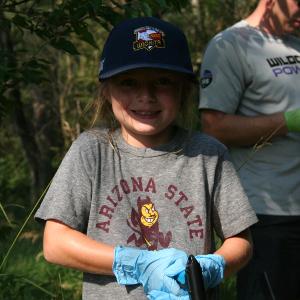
194,279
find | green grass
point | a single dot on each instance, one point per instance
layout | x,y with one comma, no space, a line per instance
228,291
27,276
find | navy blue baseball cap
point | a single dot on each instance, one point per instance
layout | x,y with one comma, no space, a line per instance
145,42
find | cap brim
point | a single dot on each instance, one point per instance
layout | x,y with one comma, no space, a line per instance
106,75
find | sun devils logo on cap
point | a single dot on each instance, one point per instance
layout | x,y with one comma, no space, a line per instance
148,38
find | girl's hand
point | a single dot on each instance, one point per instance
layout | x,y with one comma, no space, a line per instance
212,265
155,270
159,295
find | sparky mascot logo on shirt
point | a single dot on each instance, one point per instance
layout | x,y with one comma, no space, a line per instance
145,225
148,38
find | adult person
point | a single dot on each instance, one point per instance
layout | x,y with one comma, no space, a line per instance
250,100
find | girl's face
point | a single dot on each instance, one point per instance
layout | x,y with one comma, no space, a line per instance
146,103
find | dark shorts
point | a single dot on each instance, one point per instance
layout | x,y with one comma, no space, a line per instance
274,270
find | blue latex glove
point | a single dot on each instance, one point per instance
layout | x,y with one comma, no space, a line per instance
155,270
159,295
212,265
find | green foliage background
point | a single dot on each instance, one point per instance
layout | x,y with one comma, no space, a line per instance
49,57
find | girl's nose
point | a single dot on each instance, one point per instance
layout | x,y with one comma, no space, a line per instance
146,93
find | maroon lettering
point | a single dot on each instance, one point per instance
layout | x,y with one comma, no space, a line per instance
104,210
137,185
188,210
112,201
171,192
124,186
183,197
197,233
150,186
116,190
103,225
197,220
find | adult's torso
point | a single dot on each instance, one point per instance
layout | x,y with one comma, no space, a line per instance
263,78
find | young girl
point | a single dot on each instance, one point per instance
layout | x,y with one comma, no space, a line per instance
144,183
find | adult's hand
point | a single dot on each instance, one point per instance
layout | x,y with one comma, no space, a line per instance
292,120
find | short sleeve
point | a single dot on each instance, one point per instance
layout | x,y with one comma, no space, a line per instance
222,76
232,212
69,196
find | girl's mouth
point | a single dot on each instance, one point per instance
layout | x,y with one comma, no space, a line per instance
145,114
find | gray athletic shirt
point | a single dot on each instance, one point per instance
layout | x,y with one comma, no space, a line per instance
248,73
169,196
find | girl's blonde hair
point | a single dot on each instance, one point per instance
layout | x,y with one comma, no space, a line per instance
188,116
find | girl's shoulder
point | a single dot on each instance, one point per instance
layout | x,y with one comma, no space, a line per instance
202,143
92,138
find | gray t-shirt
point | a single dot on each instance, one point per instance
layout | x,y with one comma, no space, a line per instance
250,73
169,196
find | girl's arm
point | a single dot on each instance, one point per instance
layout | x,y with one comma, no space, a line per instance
237,251
68,247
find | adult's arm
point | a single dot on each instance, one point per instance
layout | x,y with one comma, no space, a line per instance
235,130
237,251
71,248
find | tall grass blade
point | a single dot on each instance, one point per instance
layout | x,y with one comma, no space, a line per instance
60,285
262,142
28,281
23,226
39,287
5,215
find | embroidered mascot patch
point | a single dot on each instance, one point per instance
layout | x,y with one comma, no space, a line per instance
148,38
